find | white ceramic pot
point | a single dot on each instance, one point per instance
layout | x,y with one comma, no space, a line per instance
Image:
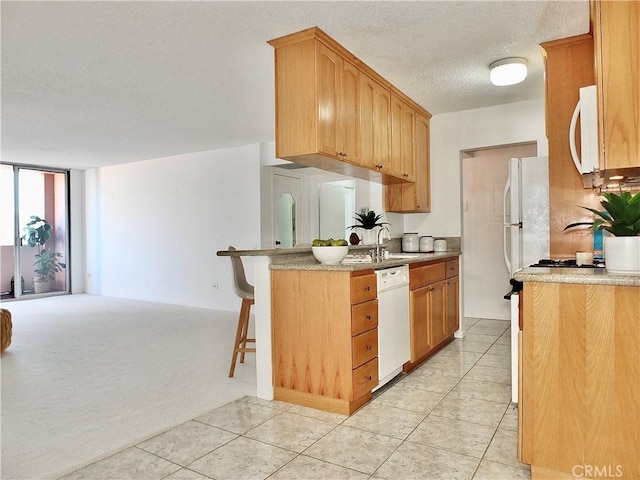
410,242
622,255
369,236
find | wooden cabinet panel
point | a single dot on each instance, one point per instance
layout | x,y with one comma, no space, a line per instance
402,139
421,342
617,30
375,132
328,85
581,378
433,307
408,143
334,113
324,337
363,287
413,196
338,84
422,185
452,267
452,311
364,316
365,379
421,275
568,66
364,347
437,310
349,125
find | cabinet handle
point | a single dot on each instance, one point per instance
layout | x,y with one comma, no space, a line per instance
368,378
368,317
367,289
368,347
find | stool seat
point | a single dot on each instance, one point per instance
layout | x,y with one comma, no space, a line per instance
245,291
6,328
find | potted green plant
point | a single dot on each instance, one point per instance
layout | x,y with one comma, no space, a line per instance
621,218
47,264
368,221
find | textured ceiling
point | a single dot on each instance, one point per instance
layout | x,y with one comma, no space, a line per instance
86,84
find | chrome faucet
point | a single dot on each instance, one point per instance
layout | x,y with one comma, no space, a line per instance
379,255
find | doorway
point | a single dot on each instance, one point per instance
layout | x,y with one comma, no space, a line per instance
34,233
486,279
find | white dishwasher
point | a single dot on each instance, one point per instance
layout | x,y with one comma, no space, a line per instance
394,343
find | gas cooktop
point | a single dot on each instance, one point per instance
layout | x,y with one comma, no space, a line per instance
567,263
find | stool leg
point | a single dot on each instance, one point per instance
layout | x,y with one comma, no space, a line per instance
245,312
236,344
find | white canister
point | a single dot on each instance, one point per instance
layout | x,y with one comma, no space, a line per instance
440,245
410,242
426,244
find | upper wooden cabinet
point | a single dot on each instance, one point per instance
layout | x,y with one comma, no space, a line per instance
568,67
414,196
616,29
338,85
335,113
375,132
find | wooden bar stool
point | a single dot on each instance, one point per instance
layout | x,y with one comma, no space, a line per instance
245,292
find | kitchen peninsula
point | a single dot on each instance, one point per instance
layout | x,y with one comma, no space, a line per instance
316,325
579,411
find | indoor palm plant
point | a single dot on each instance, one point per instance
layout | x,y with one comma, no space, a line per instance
368,221
621,218
47,264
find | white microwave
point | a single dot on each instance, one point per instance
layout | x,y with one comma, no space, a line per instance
587,163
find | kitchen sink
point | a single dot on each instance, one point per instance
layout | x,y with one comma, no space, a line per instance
403,255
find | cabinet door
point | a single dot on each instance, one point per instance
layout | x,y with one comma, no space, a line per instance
374,124
419,312
422,197
408,143
617,29
452,310
397,128
437,311
349,111
328,72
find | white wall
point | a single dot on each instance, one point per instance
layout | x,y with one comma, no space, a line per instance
154,226
469,130
452,133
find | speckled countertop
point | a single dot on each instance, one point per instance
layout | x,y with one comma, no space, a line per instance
593,276
301,258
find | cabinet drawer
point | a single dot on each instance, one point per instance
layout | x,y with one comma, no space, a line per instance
426,274
363,288
365,378
364,316
452,268
364,347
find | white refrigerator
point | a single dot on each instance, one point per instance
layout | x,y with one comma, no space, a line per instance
526,232
526,212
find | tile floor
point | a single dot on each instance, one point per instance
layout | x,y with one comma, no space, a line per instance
451,418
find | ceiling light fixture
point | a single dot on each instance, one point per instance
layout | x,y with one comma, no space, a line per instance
508,71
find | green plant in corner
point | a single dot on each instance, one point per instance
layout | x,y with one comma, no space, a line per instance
367,219
37,231
47,264
620,217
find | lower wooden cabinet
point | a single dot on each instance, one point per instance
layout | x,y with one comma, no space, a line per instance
579,408
433,307
325,338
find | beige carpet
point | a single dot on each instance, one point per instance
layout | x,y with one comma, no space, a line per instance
87,376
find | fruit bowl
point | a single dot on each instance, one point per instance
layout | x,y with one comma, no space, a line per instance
330,255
